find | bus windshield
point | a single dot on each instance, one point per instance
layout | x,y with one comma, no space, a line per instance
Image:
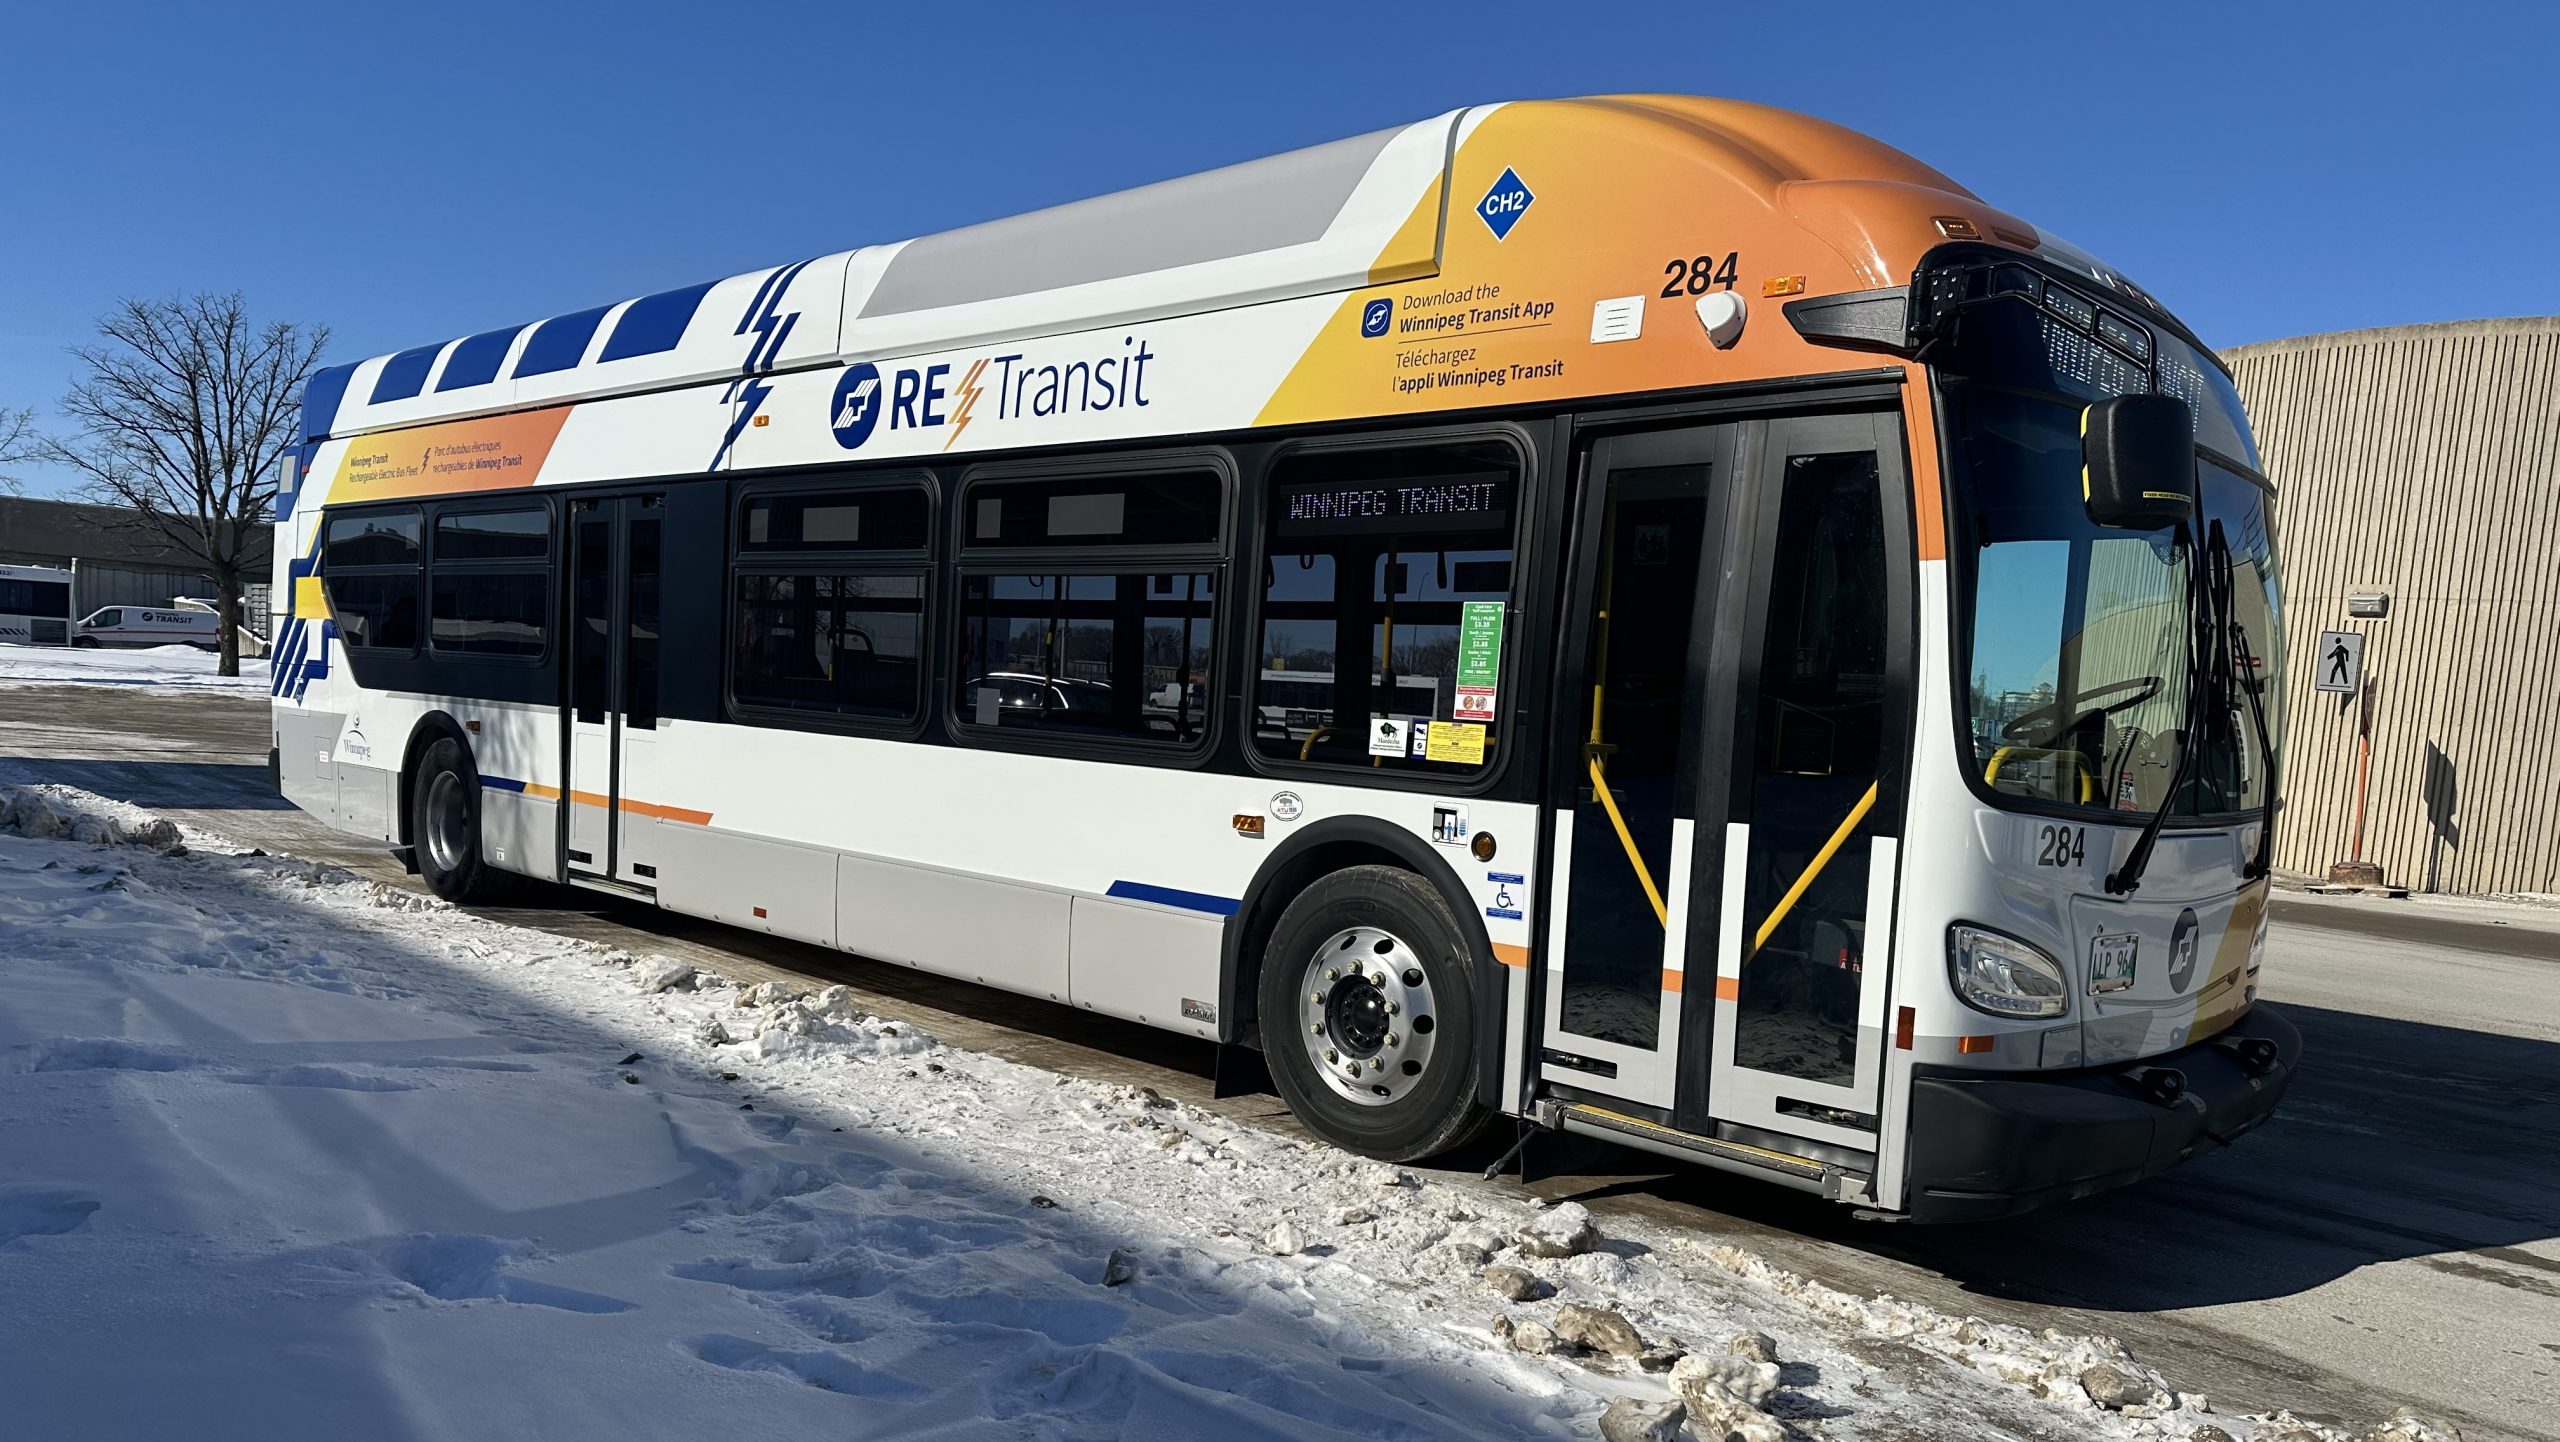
2078,641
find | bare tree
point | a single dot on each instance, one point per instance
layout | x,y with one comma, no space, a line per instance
18,445
184,415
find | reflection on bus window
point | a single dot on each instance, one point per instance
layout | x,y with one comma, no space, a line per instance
847,644
1125,654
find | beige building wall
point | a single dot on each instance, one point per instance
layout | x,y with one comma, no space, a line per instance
2423,461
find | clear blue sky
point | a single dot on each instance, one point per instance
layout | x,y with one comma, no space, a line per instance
406,173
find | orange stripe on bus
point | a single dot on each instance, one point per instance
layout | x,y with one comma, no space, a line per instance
636,808
1670,980
1509,954
1728,988
1928,503
668,813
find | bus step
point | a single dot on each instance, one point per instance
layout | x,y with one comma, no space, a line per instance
1669,1141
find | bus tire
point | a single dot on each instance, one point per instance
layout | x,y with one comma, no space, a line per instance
1369,1015
444,818
84,643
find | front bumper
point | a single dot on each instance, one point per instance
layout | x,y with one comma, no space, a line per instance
1993,1144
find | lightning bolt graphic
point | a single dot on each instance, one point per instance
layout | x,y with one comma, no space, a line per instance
968,399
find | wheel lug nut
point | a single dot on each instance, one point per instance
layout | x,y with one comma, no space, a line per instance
1316,1030
1333,973
1375,1064
1332,1055
1391,1008
1391,1039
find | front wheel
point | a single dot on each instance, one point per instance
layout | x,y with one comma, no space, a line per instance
444,824
1369,1015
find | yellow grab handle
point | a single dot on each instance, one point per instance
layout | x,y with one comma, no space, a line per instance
1644,877
1821,859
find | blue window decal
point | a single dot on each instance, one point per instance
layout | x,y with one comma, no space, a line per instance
476,359
405,374
654,323
1503,205
560,342
320,399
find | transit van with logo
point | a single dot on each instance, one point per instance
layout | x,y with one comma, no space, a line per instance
149,626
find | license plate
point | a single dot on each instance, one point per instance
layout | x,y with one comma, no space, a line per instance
2111,962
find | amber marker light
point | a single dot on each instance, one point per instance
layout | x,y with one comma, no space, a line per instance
1956,227
1969,1045
1249,826
1482,846
763,420
1782,285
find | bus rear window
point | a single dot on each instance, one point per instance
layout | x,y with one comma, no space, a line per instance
1386,593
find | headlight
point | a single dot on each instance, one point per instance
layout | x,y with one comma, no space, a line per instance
2004,976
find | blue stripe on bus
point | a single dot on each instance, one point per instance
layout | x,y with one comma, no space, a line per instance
1171,896
560,342
476,359
654,323
500,783
405,374
287,656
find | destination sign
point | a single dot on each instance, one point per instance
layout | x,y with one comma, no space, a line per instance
1478,502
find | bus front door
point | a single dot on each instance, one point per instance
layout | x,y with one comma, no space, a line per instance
1724,851
1632,725
610,723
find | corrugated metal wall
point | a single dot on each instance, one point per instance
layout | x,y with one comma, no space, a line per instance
2423,461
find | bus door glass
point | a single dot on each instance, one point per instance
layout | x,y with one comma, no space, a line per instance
615,546
1632,715
1813,787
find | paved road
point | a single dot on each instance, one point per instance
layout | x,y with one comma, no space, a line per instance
2391,1239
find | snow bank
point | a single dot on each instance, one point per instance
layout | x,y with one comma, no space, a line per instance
168,668
344,1161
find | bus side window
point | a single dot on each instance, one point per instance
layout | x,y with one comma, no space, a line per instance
1106,628
1382,565
830,590
371,568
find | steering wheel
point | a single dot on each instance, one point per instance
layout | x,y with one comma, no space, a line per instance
2044,725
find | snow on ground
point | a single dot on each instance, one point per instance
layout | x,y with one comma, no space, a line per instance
289,1154
175,668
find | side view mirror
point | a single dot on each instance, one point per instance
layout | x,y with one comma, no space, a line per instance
2138,462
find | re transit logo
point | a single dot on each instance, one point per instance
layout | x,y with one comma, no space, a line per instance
1006,387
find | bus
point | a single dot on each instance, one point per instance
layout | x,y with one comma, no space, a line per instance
35,606
1017,603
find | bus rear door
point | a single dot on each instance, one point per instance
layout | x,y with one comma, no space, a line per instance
616,546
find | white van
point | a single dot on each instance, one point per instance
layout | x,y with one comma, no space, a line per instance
149,626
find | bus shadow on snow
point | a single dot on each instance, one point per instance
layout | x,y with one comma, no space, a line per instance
1168,1339
198,785
2398,1141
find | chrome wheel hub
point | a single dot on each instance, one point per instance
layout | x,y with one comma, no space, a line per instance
1365,1015
448,821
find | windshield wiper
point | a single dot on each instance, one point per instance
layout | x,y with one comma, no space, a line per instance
2239,658
2125,879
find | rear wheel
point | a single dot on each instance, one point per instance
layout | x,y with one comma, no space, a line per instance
1369,1015
85,643
444,824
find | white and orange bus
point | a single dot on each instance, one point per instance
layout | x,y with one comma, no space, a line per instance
1650,616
